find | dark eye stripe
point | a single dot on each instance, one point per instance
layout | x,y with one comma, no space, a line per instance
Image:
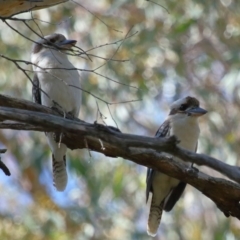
183,107
173,111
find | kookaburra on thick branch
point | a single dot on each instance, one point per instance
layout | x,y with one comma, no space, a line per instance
182,122
51,87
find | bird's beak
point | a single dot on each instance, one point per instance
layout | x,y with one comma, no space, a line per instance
196,112
67,43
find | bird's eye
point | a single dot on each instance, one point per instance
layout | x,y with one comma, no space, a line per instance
183,107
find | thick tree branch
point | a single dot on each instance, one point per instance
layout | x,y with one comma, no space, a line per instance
141,150
13,7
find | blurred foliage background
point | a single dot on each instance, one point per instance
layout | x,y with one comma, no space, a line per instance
187,47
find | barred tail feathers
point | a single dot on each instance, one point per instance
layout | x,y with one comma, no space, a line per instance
60,177
154,218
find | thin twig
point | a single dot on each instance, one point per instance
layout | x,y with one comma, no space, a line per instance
2,165
159,5
114,52
112,115
112,43
95,16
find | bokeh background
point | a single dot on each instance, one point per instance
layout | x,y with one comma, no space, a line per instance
180,48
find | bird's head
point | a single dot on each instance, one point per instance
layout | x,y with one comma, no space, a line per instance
185,108
55,40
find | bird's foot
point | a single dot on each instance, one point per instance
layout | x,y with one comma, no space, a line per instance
114,129
99,125
192,171
57,108
70,116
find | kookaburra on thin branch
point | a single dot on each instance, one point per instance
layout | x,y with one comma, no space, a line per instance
182,122
51,87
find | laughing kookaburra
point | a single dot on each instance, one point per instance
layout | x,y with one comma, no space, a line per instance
182,122
56,86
